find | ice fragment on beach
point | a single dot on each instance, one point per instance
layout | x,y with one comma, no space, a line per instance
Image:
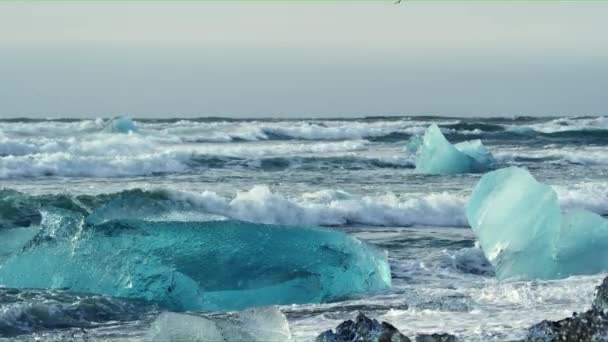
523,232
258,324
226,265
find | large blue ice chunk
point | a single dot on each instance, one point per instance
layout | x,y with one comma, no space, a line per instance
220,265
524,234
436,155
122,124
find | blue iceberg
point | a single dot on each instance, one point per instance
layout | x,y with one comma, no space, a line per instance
122,124
435,155
524,234
217,265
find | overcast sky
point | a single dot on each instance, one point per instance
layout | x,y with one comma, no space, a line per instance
303,59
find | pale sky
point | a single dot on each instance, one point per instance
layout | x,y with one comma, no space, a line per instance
302,59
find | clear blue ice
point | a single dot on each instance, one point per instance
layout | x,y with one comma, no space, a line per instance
218,265
524,234
122,124
436,155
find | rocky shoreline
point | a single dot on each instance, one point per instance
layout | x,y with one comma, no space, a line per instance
590,326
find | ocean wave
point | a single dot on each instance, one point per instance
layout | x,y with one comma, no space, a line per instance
572,124
332,208
579,156
127,155
469,260
592,196
320,208
261,205
377,129
258,205
112,155
25,311
226,130
66,165
51,128
137,156
287,130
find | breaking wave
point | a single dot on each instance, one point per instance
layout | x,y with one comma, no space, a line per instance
590,156
85,148
261,205
373,128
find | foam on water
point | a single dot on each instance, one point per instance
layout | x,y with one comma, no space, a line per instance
260,204
334,207
330,208
590,156
87,149
437,289
113,155
226,131
572,124
355,174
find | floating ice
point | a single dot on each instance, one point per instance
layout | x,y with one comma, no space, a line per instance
222,265
435,155
524,234
258,324
122,124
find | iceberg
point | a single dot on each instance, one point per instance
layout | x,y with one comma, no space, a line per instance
524,234
257,324
435,154
215,265
122,124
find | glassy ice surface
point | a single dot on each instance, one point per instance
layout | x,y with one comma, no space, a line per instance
524,234
582,247
221,265
252,325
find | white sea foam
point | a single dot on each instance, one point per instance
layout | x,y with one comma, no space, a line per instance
52,128
588,195
119,155
588,155
334,207
64,164
571,124
16,148
225,131
331,208
501,311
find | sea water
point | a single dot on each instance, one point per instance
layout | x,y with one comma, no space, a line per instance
355,176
